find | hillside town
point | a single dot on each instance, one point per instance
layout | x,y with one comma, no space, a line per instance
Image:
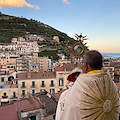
28,44
30,85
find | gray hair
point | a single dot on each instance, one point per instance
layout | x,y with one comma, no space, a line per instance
94,59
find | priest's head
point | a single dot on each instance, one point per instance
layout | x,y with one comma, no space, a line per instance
92,60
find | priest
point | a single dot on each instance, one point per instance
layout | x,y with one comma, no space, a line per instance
93,96
71,79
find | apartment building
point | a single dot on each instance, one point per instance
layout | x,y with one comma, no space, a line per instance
108,68
3,78
34,82
7,69
45,63
25,109
8,93
6,58
24,64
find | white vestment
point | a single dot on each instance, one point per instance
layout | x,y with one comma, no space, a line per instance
92,97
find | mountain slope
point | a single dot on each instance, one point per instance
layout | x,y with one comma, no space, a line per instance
11,26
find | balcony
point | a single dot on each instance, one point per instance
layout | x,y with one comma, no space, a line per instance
32,86
23,86
42,85
4,97
14,97
52,85
4,100
23,96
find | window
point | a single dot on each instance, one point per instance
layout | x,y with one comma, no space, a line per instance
23,92
14,94
11,66
43,85
42,90
32,118
33,91
16,75
52,83
23,84
60,89
52,91
4,94
33,83
45,75
2,79
61,82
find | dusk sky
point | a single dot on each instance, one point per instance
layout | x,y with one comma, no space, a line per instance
98,19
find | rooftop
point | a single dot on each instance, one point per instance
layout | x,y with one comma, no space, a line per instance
59,68
36,75
49,101
13,86
69,67
10,111
6,86
57,95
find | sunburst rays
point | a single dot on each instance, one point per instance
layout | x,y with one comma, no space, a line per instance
99,101
79,43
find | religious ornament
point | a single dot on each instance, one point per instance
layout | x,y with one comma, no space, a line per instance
62,105
99,101
78,49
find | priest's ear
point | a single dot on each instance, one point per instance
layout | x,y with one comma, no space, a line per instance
85,67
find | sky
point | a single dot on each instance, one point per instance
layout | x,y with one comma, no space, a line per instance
98,19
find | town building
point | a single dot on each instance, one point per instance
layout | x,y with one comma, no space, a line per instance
24,64
25,109
108,68
34,82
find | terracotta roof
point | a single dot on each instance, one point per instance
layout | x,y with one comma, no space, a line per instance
10,111
69,67
27,104
115,64
16,79
36,75
59,68
13,86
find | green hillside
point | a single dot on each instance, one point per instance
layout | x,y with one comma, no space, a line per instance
11,26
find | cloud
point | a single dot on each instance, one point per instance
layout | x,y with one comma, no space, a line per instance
65,1
16,3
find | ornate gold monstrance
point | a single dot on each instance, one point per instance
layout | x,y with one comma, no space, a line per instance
78,49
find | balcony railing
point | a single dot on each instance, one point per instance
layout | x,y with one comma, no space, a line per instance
23,96
60,84
14,97
3,97
52,85
42,85
23,86
32,86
